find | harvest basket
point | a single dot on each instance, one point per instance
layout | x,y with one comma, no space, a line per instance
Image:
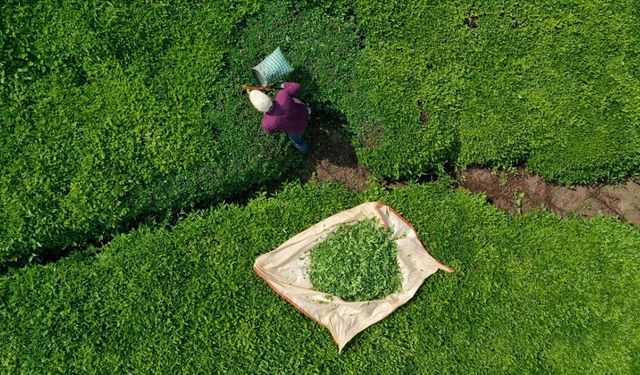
273,68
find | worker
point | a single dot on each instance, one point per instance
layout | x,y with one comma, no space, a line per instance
286,113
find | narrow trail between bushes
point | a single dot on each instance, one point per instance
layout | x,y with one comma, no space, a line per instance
522,192
332,159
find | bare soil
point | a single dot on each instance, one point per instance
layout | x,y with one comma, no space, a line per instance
519,192
332,158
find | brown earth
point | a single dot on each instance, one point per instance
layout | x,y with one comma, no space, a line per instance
332,158
521,192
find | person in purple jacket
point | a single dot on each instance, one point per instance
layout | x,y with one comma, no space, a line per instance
286,113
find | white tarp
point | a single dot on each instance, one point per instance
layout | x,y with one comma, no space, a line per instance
285,270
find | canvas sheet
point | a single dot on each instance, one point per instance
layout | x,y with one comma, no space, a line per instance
285,270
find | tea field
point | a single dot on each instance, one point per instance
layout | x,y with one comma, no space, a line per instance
115,112
128,152
530,293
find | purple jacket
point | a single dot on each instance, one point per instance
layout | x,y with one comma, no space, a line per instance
287,113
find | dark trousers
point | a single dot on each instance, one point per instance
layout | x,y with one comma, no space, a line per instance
298,141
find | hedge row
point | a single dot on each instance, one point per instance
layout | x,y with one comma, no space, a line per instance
531,294
115,111
555,87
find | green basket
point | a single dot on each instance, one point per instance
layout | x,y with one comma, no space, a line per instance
273,68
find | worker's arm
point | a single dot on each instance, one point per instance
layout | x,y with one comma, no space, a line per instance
269,125
260,88
290,89
268,129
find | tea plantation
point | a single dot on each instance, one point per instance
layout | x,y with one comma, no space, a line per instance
550,85
138,112
113,111
128,151
531,294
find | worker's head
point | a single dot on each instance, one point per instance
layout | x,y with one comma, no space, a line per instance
260,100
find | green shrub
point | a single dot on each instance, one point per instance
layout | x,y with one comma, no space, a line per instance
392,137
530,294
110,116
323,50
139,112
552,86
357,263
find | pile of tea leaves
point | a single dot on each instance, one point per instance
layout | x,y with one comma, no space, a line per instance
357,262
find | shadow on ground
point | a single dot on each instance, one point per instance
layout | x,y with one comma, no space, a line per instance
331,156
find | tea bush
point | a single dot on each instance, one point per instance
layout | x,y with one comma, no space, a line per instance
114,111
547,85
530,294
102,118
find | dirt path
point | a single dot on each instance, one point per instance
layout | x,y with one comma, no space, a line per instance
522,192
332,158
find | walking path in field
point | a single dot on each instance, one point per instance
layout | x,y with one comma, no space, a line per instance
522,192
332,158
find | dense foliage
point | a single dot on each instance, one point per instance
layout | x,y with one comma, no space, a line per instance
358,262
553,86
531,294
111,112
114,111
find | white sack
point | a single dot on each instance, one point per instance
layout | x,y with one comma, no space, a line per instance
285,270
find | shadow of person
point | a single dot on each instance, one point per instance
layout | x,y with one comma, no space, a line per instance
327,134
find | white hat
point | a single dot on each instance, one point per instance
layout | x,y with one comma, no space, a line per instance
260,100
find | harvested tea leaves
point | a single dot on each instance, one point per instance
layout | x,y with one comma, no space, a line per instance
357,263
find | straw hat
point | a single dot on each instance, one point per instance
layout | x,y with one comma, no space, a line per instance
260,100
